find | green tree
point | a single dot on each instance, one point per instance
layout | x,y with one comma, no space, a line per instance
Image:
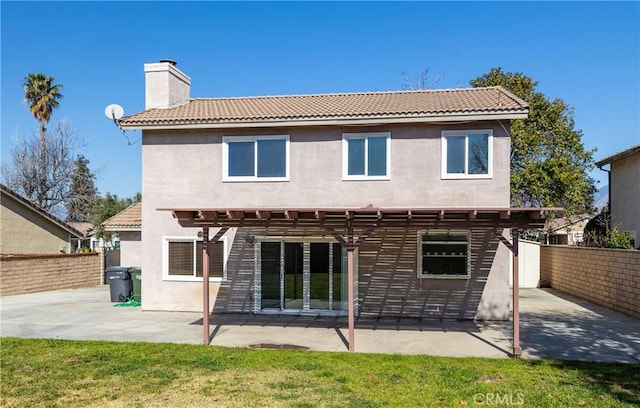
108,206
549,163
83,194
42,96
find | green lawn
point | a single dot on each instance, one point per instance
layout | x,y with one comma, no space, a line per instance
59,373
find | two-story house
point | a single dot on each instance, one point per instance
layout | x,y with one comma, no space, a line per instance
370,204
624,191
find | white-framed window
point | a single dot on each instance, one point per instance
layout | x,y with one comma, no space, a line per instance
467,154
443,253
366,156
182,259
255,158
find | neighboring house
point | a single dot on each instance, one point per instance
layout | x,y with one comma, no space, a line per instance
88,234
128,225
624,190
97,241
26,228
566,230
373,204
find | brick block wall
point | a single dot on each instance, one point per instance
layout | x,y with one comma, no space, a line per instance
38,273
608,277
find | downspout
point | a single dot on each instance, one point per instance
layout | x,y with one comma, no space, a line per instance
608,185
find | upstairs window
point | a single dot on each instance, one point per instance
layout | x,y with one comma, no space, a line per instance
467,154
255,158
366,156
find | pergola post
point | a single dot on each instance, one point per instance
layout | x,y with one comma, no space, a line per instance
205,285
517,350
206,245
350,296
350,245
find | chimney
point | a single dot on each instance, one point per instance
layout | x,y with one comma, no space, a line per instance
165,85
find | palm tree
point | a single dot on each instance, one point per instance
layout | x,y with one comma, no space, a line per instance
42,96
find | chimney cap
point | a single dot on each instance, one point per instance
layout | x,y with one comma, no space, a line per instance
169,61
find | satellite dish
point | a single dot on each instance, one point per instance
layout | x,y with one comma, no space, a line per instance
114,111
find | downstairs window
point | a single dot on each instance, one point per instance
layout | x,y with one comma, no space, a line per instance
443,253
183,259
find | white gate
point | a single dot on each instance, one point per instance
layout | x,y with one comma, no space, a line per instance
528,263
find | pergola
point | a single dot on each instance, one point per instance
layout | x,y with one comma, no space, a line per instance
351,227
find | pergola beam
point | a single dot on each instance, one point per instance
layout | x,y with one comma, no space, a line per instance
263,215
360,224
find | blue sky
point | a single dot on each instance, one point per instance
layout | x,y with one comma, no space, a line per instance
585,53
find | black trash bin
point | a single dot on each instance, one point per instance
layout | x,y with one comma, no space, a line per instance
119,283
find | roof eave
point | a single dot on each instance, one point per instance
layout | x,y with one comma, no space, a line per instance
53,219
369,120
620,155
117,228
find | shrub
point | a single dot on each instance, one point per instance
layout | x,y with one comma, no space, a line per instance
599,233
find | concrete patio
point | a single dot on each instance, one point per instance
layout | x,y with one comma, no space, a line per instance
553,325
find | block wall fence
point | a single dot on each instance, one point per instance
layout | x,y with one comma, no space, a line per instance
608,277
38,273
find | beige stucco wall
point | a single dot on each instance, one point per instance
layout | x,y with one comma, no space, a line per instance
187,168
130,248
23,231
625,194
183,169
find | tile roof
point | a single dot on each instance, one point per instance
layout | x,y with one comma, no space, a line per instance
128,219
554,224
36,208
84,227
416,105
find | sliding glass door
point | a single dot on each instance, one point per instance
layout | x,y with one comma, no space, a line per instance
302,275
270,276
293,276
